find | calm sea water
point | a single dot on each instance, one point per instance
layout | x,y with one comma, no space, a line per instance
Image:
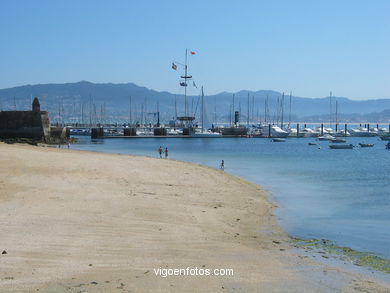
339,195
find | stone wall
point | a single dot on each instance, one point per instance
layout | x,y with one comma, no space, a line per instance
25,124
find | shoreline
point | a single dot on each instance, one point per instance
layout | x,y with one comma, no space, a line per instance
125,217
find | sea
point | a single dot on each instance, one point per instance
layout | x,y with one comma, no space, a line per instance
342,195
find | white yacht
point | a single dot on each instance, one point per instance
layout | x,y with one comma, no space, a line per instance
326,136
293,132
361,132
276,131
206,133
173,131
308,132
273,131
342,133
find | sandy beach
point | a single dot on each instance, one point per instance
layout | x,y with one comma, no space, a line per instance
75,221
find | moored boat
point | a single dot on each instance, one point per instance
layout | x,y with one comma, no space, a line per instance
385,137
206,134
326,137
308,132
341,146
337,140
274,131
202,132
366,145
362,132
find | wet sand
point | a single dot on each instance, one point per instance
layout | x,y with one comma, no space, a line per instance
76,221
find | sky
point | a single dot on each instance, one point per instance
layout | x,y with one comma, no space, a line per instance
304,46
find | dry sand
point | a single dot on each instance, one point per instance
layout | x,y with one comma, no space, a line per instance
90,222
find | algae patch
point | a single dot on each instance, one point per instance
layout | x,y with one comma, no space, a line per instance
358,258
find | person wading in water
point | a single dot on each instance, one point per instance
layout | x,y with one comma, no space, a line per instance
222,166
160,150
166,153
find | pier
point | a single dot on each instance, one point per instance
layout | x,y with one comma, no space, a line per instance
299,130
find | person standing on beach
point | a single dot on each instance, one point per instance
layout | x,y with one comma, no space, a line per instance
222,166
166,153
160,150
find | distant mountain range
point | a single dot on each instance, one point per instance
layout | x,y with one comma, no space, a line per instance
111,102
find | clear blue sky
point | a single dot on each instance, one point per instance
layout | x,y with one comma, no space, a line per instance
309,47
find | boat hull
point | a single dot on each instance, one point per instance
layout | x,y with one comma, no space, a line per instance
341,146
206,135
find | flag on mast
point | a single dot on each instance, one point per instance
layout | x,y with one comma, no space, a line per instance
174,66
192,52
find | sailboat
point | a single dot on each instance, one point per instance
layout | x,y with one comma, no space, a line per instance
204,133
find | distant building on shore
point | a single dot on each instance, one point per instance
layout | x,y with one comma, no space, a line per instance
32,124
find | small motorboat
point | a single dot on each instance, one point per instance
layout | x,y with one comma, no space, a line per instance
337,140
277,139
341,146
312,143
366,145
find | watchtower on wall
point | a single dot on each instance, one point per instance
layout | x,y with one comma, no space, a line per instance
36,106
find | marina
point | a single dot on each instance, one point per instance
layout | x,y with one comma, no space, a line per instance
255,130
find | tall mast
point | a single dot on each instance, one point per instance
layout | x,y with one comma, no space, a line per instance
74,108
337,122
158,114
289,115
129,110
202,108
104,110
93,113
232,115
215,110
102,113
330,109
247,122
282,104
82,112
253,107
185,87
90,110
145,107
142,115
59,111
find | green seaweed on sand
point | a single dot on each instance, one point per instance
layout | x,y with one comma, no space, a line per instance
365,259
